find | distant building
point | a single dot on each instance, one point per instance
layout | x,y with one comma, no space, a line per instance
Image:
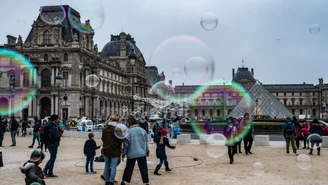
62,48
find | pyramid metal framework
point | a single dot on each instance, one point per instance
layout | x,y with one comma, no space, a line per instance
263,104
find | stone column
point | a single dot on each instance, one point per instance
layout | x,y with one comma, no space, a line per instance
53,81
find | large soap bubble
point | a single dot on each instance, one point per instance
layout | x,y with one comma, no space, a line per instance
209,21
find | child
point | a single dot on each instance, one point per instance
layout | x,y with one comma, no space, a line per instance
33,173
162,141
90,148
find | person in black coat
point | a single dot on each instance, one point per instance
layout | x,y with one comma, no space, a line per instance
13,129
316,136
144,124
161,142
36,133
229,132
2,130
89,150
33,173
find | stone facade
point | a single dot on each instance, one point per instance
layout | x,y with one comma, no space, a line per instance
60,48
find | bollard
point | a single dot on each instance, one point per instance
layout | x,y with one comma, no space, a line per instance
1,162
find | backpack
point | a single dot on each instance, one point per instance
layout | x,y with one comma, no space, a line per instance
289,129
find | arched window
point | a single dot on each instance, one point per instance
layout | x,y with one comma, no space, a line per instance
45,78
45,58
65,57
25,79
196,112
211,112
203,112
46,37
218,112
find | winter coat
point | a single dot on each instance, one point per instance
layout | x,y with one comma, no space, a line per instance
145,126
3,125
54,134
111,144
136,143
316,129
229,132
13,125
36,127
160,148
289,123
90,148
306,129
32,171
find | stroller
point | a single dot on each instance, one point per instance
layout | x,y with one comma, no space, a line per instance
176,130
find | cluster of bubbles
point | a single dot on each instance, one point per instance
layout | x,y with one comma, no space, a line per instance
10,63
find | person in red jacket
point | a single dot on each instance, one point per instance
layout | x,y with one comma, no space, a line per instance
306,133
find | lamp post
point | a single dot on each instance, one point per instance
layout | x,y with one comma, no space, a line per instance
132,58
82,99
58,79
256,107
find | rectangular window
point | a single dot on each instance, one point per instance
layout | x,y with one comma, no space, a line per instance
292,93
313,93
65,78
25,80
300,93
284,93
277,94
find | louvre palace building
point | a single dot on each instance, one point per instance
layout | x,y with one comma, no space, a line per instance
62,49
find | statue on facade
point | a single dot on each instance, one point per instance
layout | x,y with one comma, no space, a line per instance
20,40
95,48
84,41
75,38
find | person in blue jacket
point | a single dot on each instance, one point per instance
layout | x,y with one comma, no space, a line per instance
54,135
289,132
161,142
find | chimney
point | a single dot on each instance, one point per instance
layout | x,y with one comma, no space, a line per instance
11,40
233,73
170,82
182,84
252,71
321,81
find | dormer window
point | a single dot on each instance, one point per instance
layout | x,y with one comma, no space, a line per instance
46,38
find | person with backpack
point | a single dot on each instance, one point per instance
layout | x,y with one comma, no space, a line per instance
33,173
112,149
36,133
54,134
161,142
13,129
289,132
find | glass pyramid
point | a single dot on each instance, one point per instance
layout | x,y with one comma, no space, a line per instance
263,104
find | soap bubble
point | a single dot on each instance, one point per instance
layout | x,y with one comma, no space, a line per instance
258,169
303,162
315,141
52,14
177,72
209,21
92,80
215,145
314,29
197,67
125,109
121,131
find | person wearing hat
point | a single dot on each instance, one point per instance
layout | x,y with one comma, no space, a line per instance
315,129
54,135
33,173
161,142
289,132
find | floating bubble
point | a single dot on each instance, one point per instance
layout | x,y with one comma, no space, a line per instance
314,29
303,162
92,14
258,169
121,131
209,21
215,145
315,141
19,98
125,109
162,89
52,14
150,162
179,52
197,67
92,80
35,183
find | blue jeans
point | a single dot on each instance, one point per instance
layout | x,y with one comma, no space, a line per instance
90,160
13,137
50,164
110,165
161,161
36,135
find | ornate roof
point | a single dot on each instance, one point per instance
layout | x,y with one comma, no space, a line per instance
243,73
112,48
290,87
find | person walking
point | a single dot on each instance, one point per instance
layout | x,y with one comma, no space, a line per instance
239,128
229,133
135,149
24,127
298,130
161,142
54,134
248,126
306,133
144,124
43,137
316,139
13,129
289,132
36,133
19,127
112,147
2,131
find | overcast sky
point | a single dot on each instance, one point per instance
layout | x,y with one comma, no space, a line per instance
272,36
